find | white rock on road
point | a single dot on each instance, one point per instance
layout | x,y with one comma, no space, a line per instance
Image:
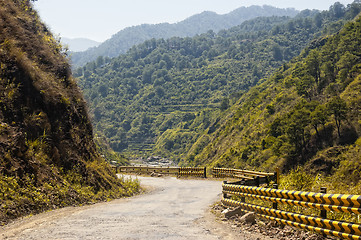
174,209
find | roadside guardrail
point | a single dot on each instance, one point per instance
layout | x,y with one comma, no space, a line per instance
178,171
147,169
193,171
249,178
321,201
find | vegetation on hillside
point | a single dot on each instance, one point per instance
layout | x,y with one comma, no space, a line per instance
122,41
112,157
163,95
305,118
47,155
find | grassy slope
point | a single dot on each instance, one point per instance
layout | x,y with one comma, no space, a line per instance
47,155
168,143
245,138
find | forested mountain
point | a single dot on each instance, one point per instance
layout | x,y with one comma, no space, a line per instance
307,115
164,95
48,158
197,24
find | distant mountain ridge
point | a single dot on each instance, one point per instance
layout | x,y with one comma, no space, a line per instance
196,24
79,44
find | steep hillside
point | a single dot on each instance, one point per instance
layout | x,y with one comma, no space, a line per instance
163,94
47,155
306,115
197,24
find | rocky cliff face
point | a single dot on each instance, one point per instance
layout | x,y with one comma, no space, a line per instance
47,154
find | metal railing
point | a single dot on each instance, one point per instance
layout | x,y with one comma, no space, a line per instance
193,171
250,178
321,201
246,177
178,171
147,169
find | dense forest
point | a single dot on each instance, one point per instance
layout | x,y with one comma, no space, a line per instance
122,41
305,118
310,103
162,96
48,158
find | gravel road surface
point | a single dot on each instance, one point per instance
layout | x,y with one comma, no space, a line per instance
172,209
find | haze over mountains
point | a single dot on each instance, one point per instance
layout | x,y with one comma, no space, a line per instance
79,44
197,24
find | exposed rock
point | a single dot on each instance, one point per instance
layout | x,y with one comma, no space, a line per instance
270,229
261,223
230,213
248,218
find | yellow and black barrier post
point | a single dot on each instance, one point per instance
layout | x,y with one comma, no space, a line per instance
277,176
243,199
323,213
275,204
224,193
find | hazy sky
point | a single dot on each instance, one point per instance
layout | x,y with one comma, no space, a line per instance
100,19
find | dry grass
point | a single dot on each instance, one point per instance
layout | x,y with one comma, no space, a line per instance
48,157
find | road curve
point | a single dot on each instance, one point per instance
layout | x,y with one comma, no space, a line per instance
173,209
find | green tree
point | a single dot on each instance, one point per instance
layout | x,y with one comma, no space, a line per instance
338,107
337,10
277,53
224,104
296,128
328,69
304,86
276,128
100,61
103,90
345,64
147,75
318,20
319,117
313,65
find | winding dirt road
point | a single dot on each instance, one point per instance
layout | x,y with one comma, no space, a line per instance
173,209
